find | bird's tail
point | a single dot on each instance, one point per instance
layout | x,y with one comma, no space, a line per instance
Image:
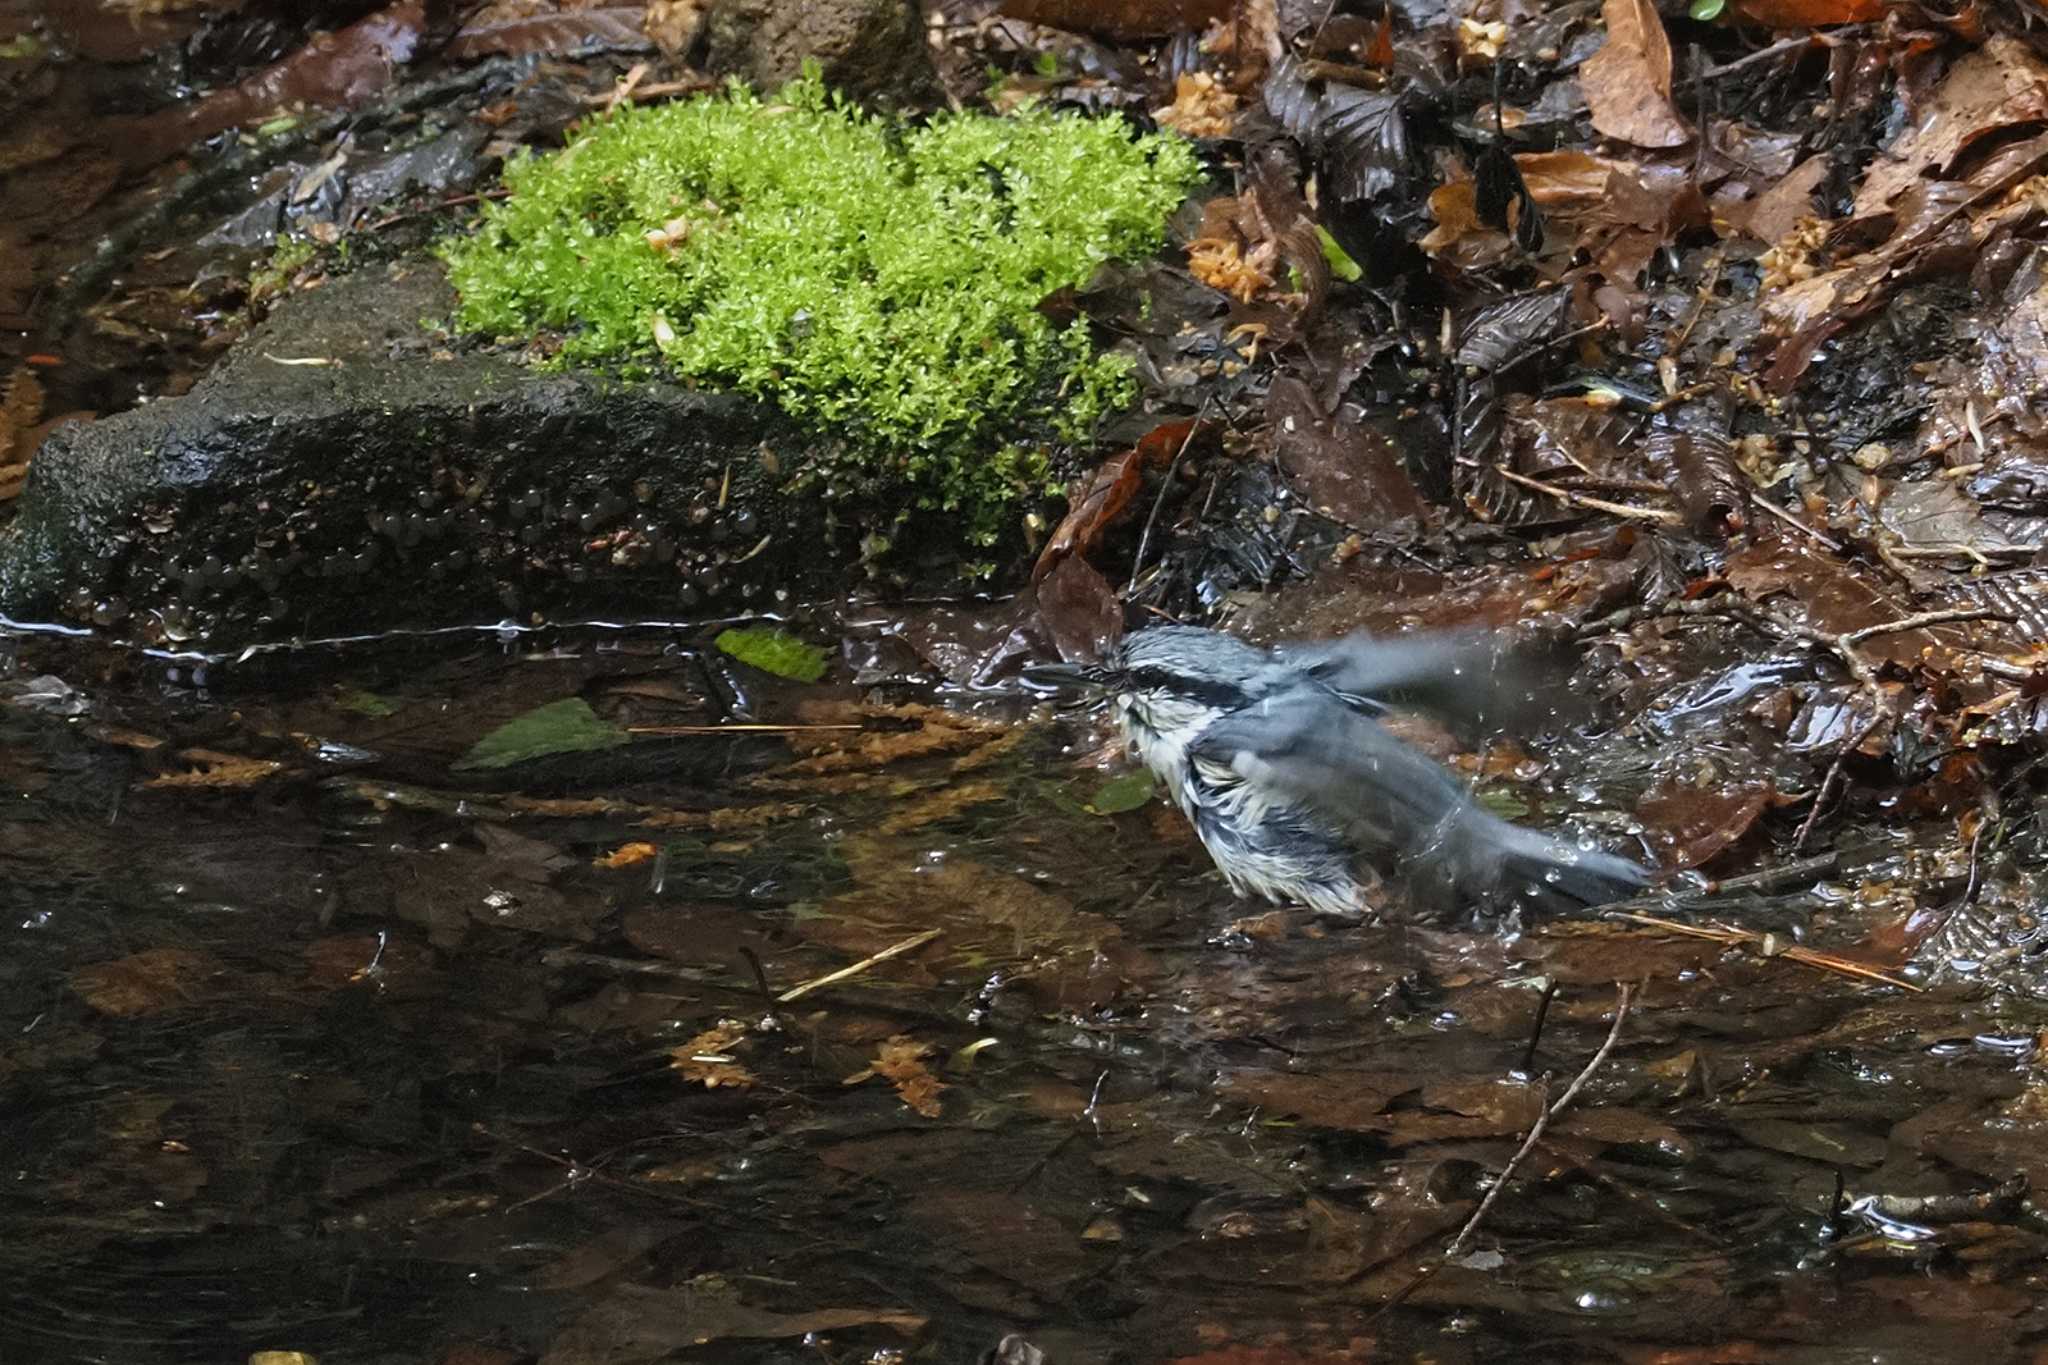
1487,854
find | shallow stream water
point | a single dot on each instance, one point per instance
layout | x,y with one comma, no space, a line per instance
311,1040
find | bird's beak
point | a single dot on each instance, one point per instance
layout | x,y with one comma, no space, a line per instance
1072,679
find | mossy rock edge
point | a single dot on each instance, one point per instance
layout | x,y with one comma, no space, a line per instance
336,472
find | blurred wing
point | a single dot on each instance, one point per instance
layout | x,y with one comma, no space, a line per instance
1467,677
1311,746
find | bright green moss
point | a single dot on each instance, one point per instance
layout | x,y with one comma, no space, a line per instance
880,283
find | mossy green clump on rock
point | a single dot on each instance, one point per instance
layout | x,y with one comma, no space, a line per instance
877,281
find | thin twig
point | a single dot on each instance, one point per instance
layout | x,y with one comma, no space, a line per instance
1528,1065
1571,499
1776,49
1784,874
831,978
1795,523
1145,536
1759,943
1623,993
1925,618
1834,773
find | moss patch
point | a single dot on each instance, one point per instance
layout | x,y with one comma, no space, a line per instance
877,281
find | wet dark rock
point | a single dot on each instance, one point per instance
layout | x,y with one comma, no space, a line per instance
867,47
338,472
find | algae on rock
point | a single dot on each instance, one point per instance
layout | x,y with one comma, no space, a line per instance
879,282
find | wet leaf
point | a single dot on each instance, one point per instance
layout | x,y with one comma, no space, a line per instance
1628,81
603,1256
1351,1100
1120,20
707,1059
1502,200
626,855
362,703
1360,136
516,27
775,651
1690,825
1985,93
901,1062
1125,793
1104,500
1502,801
1348,473
344,67
563,727
1501,332
1691,448
1079,610
147,982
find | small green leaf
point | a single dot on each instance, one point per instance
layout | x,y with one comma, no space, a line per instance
1502,801
1341,264
1047,64
1707,10
561,727
1120,794
364,703
772,651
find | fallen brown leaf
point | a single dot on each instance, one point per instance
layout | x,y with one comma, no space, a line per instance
1988,91
1628,81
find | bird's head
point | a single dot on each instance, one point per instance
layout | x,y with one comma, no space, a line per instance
1166,681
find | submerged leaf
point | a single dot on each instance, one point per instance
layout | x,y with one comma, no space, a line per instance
562,727
774,651
364,703
1120,794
